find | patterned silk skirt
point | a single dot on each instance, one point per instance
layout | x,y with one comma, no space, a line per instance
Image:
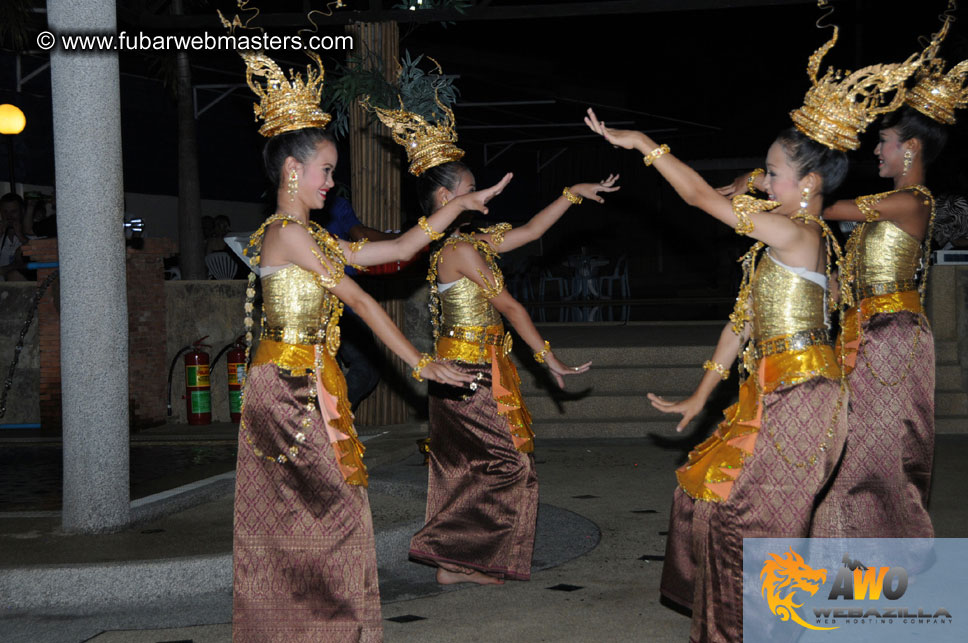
304,553
881,488
482,495
799,434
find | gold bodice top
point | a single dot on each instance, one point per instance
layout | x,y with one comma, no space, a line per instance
464,304
886,254
297,308
784,302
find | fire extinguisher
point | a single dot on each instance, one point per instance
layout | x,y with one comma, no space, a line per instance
235,361
198,391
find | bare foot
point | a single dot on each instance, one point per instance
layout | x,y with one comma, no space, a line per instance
447,577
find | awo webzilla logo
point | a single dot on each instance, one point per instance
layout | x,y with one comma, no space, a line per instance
858,594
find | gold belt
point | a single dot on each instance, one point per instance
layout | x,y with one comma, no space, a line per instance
295,335
884,288
795,342
470,343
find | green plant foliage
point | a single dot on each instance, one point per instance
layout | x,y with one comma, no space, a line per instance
365,76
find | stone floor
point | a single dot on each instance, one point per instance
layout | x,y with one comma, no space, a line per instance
615,490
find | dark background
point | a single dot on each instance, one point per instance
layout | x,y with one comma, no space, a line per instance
716,84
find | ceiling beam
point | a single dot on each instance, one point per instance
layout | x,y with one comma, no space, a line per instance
484,12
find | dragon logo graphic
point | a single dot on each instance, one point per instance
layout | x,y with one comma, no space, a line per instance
782,577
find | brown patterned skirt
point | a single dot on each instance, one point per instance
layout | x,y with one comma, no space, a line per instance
304,553
881,488
482,495
771,497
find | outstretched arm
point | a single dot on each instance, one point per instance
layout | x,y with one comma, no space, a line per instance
300,248
470,264
541,222
725,354
777,231
416,238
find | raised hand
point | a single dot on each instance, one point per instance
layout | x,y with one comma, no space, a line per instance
591,190
478,200
445,374
624,138
688,408
559,370
738,186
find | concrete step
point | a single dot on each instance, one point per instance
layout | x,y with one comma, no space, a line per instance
627,427
594,407
669,355
948,377
951,425
946,352
606,380
609,380
950,403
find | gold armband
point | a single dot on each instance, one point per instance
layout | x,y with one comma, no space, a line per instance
425,359
654,155
497,232
356,246
751,179
425,226
540,355
868,205
489,291
743,206
710,365
574,198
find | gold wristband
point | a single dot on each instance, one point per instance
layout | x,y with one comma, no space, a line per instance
751,179
710,365
652,156
424,360
422,222
574,198
540,355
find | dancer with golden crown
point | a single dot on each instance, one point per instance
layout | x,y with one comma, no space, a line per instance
762,470
482,497
882,484
304,555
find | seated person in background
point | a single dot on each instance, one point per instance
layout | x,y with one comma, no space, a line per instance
41,219
216,242
12,265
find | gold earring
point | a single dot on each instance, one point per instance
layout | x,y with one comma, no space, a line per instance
908,160
804,200
293,185
444,202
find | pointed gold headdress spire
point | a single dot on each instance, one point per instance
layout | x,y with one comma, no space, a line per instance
840,105
937,95
429,141
285,103
427,144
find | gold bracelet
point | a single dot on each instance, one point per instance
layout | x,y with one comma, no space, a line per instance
540,355
422,222
425,359
751,179
652,156
710,365
574,198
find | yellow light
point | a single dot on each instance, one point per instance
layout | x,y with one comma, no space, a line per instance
12,120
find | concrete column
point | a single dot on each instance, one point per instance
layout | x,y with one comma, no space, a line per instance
94,317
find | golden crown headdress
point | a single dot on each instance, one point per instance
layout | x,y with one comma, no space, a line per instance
285,103
840,105
936,94
427,144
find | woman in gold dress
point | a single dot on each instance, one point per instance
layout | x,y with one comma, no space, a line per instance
764,468
304,556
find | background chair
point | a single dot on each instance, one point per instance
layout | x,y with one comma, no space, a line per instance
220,265
618,279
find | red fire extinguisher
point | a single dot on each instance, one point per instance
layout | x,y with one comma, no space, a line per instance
235,360
198,392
